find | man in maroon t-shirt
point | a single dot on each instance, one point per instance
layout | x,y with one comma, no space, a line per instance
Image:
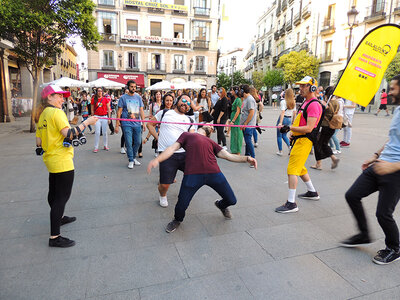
201,168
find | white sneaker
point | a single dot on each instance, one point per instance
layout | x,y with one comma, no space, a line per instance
156,154
225,148
163,201
336,151
255,145
279,153
123,150
130,165
136,162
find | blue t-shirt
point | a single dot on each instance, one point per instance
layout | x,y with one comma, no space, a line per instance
130,109
391,152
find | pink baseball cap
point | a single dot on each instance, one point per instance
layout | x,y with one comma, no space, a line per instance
54,89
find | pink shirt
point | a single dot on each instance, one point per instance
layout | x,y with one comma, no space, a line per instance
313,111
384,98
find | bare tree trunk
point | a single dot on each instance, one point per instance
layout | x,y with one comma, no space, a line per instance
35,95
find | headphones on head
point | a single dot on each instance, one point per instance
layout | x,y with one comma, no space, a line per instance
313,87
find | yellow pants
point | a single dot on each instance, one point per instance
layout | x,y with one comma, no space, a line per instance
298,157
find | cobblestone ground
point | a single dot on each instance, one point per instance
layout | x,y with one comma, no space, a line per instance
123,252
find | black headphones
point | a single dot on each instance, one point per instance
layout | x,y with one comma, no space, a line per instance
81,137
67,140
313,88
75,140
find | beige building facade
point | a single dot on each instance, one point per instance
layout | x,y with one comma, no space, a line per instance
173,40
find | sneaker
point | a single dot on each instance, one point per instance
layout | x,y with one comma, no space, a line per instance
225,211
375,114
136,162
130,165
123,151
387,115
386,256
66,220
255,145
225,148
106,148
279,153
288,207
156,154
163,201
356,240
345,144
336,151
252,166
309,196
172,226
342,142
95,150
335,163
61,242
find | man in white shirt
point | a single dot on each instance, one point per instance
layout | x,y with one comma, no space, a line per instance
168,134
214,95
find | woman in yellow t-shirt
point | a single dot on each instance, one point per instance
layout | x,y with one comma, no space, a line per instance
52,128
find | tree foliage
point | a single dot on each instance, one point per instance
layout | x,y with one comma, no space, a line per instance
39,29
393,68
273,78
257,78
296,65
225,81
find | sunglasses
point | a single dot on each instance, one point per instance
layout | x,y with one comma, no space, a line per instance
187,102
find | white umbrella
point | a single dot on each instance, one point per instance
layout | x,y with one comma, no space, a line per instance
66,82
162,85
106,83
190,85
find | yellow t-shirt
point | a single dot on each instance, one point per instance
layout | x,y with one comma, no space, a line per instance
56,157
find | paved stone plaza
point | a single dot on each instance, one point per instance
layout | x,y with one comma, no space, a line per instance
123,251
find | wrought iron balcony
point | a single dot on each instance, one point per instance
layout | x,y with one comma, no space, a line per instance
275,60
155,67
180,12
284,5
306,11
200,44
179,69
288,25
109,37
396,10
276,35
267,53
304,45
326,57
201,11
328,26
282,31
153,10
375,12
297,19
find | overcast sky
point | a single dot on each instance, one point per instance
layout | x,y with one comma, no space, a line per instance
238,31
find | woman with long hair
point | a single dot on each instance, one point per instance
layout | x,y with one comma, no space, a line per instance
205,102
155,105
236,132
53,141
254,94
219,113
100,105
288,112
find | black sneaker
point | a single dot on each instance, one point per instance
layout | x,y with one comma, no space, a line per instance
225,211
66,220
288,207
309,196
172,226
386,256
356,240
61,242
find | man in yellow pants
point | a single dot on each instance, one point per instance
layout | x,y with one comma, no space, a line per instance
303,129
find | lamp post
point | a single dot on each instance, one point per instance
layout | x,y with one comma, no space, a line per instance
233,64
351,21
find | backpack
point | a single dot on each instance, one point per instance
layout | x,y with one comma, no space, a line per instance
336,121
313,135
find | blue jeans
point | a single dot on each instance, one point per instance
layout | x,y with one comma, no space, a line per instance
133,134
192,183
255,136
280,136
334,140
248,134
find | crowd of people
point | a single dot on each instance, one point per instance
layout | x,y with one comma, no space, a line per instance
181,124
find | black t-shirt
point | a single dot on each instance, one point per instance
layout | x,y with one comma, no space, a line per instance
221,105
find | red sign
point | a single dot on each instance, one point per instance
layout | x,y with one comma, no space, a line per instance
123,77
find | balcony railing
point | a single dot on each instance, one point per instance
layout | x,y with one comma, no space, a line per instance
200,44
304,45
109,37
297,19
288,25
132,7
179,12
276,35
155,67
102,3
278,10
284,5
201,11
328,26
275,60
326,57
306,11
153,10
396,10
282,31
267,53
179,69
375,12
291,1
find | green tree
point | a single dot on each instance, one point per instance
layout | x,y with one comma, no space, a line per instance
296,65
40,28
273,78
393,68
238,78
224,81
257,78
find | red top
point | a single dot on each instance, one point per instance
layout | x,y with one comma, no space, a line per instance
100,108
200,153
384,98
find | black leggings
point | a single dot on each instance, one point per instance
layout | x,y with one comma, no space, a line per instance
60,187
133,142
220,133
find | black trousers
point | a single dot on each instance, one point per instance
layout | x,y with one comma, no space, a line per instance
389,193
60,187
123,143
322,149
220,133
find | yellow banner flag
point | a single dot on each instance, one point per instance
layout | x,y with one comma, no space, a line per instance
364,72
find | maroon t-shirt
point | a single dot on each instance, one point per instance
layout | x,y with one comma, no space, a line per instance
200,153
